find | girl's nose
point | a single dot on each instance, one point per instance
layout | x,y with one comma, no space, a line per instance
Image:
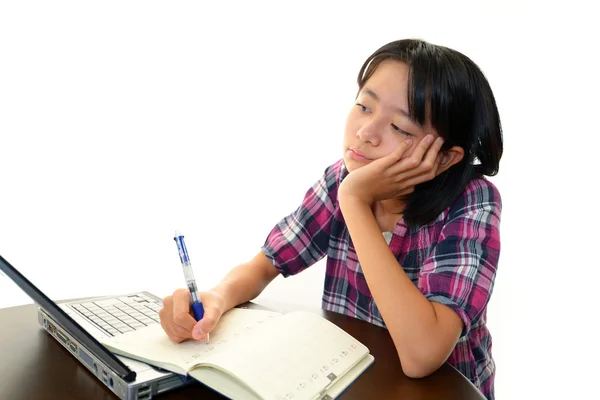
369,133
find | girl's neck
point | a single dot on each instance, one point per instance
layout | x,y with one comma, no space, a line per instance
393,206
388,213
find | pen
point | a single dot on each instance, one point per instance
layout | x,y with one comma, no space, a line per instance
190,282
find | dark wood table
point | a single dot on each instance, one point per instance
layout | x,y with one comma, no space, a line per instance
34,366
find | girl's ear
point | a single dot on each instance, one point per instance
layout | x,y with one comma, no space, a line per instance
450,157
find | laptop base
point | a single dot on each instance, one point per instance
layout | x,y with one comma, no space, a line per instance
125,391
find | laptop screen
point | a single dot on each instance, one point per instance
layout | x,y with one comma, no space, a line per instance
68,323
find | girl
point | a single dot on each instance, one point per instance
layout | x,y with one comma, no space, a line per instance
408,223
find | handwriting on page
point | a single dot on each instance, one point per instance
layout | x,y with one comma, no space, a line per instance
153,343
231,326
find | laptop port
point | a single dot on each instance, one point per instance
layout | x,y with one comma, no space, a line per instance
52,328
73,347
144,393
62,337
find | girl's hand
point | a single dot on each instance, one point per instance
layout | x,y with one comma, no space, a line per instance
177,318
392,176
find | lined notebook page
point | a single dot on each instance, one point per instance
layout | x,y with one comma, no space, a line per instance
152,345
296,356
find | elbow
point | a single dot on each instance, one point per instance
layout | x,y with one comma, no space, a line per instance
419,367
416,372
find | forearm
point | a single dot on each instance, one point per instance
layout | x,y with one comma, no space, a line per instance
246,281
410,318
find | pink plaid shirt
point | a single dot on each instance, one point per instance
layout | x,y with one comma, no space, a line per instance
452,260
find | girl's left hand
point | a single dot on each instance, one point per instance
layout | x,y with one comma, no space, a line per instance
392,176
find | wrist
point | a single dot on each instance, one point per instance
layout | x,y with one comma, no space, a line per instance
352,207
220,295
347,201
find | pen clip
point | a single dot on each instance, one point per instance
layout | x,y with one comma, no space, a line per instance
183,254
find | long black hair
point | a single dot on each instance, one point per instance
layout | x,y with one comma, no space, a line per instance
448,90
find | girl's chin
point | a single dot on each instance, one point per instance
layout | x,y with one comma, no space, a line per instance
352,164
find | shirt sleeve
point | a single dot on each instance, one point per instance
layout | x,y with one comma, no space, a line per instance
461,269
302,238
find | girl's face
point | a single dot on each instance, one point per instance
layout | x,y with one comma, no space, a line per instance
379,120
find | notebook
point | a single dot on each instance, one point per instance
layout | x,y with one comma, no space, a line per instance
257,354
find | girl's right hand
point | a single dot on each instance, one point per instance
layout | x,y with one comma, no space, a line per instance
177,318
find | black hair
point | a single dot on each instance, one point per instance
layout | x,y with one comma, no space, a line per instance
449,91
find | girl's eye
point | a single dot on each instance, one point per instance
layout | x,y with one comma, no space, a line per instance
362,108
394,127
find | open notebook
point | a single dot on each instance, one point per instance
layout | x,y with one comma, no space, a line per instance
256,354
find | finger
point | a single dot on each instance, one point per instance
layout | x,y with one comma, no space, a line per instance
401,176
427,171
417,179
438,162
417,155
181,321
165,313
430,161
167,328
181,301
406,191
413,177
182,325
181,310
396,155
166,320
415,164
207,323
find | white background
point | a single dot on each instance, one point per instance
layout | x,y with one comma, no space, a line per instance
122,121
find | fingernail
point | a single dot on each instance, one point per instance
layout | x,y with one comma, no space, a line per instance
430,138
408,142
197,333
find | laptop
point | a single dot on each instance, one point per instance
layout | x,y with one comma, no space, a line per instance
78,326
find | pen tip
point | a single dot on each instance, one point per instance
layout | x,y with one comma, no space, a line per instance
177,233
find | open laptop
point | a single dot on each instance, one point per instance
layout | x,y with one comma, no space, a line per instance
79,325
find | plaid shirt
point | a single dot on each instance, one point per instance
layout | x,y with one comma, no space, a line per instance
452,261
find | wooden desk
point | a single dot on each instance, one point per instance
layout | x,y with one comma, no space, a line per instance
34,366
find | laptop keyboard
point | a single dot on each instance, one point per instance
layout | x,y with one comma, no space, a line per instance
121,314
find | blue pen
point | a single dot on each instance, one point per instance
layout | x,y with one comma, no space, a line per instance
197,306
